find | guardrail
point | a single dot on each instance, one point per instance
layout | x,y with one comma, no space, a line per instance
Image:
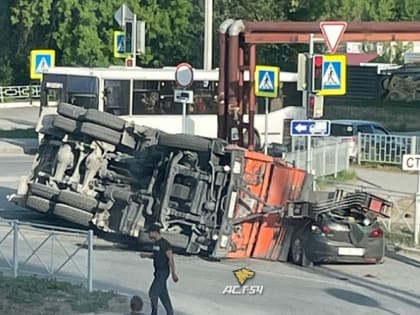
21,92
327,158
387,149
47,251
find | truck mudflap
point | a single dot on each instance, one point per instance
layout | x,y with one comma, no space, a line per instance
252,225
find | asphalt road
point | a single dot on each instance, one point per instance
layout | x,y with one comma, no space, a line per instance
389,288
18,118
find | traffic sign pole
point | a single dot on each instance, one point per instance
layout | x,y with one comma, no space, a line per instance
309,140
417,213
266,125
184,117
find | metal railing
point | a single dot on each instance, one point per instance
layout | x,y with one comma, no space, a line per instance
327,158
45,250
387,149
21,92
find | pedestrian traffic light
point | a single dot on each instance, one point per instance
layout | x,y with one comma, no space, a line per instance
317,62
128,37
129,62
315,106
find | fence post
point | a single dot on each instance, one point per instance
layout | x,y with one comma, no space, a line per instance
90,260
15,248
336,160
1,95
413,145
359,148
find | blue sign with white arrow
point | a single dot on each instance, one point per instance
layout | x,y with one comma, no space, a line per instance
310,128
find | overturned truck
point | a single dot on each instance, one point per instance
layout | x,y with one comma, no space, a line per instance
95,169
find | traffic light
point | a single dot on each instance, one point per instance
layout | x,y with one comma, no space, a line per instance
317,62
315,106
129,62
128,37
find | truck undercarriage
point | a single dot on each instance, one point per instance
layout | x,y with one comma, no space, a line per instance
95,169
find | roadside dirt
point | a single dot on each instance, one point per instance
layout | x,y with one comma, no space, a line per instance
37,296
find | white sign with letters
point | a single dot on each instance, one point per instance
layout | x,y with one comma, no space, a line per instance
411,162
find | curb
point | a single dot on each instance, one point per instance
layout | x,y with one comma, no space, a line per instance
405,251
19,105
18,146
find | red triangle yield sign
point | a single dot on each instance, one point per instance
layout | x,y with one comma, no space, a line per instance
333,32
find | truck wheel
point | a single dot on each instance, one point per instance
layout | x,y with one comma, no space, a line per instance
43,191
70,111
77,200
66,124
101,133
39,204
184,142
104,119
298,255
72,214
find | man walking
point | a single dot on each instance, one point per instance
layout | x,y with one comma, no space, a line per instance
164,265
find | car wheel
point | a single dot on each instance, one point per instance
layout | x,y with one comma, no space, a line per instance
298,255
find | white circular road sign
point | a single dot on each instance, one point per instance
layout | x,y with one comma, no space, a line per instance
184,75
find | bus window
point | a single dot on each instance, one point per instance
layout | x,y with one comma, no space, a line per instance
146,98
205,98
117,97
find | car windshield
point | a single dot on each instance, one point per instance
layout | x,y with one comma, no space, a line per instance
341,130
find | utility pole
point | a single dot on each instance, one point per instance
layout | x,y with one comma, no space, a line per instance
208,35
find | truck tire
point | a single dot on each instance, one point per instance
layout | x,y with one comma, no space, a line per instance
70,111
72,214
184,142
39,204
43,191
101,133
104,119
77,200
66,124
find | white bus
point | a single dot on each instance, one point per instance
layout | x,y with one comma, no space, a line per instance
145,96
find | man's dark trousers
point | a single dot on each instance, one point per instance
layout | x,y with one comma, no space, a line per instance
159,290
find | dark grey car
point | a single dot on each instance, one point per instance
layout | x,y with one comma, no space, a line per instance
342,230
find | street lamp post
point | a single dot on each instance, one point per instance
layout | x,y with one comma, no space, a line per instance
208,35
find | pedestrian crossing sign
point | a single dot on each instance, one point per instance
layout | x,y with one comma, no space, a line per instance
119,44
41,60
266,81
334,75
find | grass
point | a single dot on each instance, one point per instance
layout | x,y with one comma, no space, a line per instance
400,238
342,177
48,297
18,133
381,167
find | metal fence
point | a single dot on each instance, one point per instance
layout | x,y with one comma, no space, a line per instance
55,252
387,149
402,215
327,157
22,92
